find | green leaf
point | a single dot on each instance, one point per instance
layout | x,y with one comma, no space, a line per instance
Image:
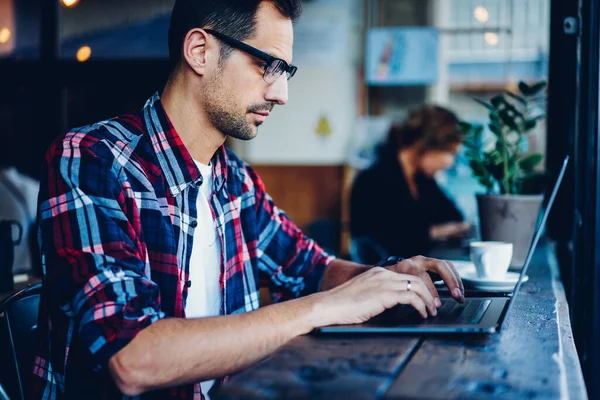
478,168
529,91
465,127
495,120
524,88
512,170
508,117
495,129
481,173
510,114
499,147
487,183
497,172
486,105
530,124
538,87
493,158
520,99
529,162
477,132
512,109
497,101
472,147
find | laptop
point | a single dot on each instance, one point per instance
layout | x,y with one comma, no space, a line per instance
483,314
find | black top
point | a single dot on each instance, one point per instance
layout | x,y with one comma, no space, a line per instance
383,209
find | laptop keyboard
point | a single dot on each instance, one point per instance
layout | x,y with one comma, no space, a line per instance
470,312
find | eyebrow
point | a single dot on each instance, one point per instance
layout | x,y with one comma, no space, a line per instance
244,46
276,56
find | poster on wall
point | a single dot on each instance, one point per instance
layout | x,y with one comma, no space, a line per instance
402,56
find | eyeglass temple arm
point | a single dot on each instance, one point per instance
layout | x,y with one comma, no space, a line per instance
248,49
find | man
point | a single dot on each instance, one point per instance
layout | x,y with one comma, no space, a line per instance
155,237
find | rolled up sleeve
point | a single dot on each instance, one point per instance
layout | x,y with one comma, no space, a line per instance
94,261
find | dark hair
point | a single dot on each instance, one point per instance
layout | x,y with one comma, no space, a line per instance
235,18
428,127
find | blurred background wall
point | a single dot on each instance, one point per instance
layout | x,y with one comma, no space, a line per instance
94,59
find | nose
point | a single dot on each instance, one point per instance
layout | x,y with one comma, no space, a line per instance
278,91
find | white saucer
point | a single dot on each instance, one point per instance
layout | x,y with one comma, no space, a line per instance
468,274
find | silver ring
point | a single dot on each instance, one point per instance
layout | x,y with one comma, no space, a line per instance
408,286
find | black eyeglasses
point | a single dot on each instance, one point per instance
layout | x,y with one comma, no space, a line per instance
275,66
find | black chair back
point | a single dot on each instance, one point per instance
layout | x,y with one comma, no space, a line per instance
21,315
365,250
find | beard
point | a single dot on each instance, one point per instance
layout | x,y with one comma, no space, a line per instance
222,112
231,124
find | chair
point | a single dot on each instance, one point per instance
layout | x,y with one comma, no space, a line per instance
20,313
365,250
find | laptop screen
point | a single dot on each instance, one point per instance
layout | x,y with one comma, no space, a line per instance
540,228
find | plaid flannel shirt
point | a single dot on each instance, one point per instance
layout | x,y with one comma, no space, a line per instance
117,211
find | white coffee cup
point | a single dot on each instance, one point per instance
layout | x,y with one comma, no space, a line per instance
491,259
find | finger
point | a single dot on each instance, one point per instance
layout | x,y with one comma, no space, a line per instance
401,282
419,287
455,272
422,273
449,275
430,286
413,299
396,297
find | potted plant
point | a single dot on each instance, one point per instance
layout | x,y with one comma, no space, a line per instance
500,161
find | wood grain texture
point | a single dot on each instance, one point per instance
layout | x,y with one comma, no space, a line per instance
305,193
573,379
528,359
532,357
323,368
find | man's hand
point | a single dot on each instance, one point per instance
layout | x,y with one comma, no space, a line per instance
369,294
353,293
423,267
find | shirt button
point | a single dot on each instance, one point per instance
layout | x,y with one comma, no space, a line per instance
200,180
188,284
194,224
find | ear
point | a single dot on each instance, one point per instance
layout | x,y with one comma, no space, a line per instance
198,52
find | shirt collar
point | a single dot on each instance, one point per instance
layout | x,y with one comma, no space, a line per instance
175,160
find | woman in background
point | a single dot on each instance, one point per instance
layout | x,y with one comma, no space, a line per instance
397,203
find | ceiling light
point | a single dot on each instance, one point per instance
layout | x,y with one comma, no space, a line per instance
84,53
5,35
491,38
481,14
70,3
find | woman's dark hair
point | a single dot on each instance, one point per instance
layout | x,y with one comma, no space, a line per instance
428,127
235,18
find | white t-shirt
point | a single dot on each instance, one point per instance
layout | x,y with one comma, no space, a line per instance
204,294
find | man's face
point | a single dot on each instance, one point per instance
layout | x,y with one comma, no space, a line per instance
237,99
